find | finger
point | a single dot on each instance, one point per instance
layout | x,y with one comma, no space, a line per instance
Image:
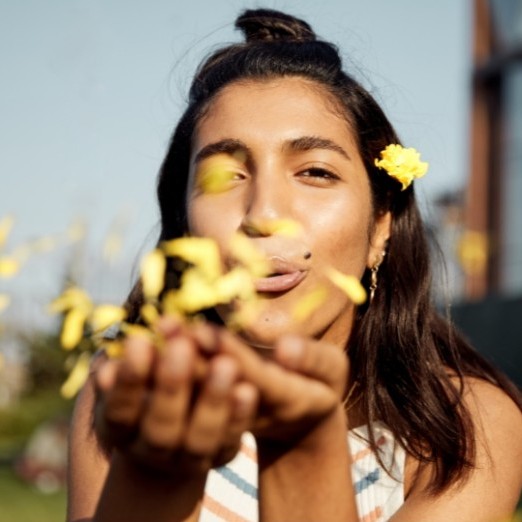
288,393
123,383
212,408
317,359
164,417
245,400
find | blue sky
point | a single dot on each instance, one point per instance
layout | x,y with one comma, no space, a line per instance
91,90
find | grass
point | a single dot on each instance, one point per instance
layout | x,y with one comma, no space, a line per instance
20,502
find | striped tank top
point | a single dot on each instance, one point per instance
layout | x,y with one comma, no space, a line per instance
231,491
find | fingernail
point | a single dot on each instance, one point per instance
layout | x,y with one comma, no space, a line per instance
178,358
222,375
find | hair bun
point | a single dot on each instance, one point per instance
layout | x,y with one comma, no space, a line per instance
267,25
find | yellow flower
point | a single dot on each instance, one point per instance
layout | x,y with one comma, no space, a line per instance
349,284
402,164
309,304
202,252
152,271
77,377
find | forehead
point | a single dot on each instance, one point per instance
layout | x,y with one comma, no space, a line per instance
276,109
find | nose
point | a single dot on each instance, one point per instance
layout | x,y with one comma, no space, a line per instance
267,201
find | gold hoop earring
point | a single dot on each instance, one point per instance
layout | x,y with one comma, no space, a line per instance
373,276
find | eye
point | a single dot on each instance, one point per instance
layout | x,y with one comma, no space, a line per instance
318,175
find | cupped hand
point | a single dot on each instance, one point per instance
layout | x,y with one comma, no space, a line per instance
178,409
303,383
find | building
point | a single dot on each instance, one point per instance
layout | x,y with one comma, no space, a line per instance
492,312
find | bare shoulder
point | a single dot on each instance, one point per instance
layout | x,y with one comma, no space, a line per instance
492,488
496,416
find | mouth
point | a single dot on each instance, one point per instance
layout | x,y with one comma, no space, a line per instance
284,277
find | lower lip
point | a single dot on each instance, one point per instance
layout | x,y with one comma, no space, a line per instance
280,283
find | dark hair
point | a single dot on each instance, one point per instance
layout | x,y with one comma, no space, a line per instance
409,361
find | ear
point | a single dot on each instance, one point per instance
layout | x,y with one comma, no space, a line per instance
379,237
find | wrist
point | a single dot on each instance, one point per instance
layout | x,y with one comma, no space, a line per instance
326,434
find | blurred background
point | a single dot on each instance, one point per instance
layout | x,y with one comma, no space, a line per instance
90,93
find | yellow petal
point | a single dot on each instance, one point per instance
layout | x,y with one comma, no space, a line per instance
9,266
106,315
136,330
113,349
282,227
238,283
6,224
72,328
202,252
152,271
215,174
5,300
78,376
243,249
149,313
245,315
72,297
349,284
196,293
309,304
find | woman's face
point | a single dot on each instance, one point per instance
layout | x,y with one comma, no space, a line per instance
294,157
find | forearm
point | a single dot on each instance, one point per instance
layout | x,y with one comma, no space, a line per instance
311,480
132,493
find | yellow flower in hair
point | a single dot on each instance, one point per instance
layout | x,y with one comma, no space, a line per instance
402,164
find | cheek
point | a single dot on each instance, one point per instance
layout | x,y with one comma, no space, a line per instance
210,218
339,233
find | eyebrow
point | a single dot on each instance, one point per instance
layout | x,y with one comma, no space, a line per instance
302,144
306,143
226,146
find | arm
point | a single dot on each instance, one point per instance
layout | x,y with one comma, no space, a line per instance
491,491
301,435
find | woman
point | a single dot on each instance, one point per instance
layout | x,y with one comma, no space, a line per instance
433,430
